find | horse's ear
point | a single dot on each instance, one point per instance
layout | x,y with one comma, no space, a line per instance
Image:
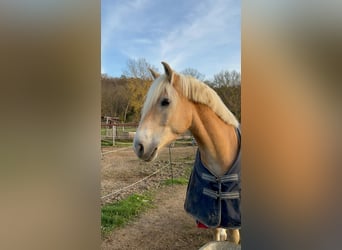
155,75
168,71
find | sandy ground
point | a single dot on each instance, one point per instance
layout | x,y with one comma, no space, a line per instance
167,225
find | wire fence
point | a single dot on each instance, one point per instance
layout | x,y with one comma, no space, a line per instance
117,134
133,184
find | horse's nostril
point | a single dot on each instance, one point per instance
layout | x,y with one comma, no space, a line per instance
140,149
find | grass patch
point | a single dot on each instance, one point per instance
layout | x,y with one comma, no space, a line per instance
105,143
119,213
177,181
124,143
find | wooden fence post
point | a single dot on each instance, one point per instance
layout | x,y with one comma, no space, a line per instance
114,134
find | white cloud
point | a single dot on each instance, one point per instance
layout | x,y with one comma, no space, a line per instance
211,25
200,34
117,19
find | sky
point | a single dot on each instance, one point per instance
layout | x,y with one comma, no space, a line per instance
199,34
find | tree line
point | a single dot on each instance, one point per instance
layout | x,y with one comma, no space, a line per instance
123,96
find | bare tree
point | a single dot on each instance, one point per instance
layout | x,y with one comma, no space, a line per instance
235,78
194,73
227,78
115,97
139,68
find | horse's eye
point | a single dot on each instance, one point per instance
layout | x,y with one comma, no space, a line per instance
165,102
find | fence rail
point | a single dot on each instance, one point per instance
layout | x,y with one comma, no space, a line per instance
126,132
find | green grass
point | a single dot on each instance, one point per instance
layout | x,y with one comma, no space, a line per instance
123,143
105,143
119,213
176,181
127,129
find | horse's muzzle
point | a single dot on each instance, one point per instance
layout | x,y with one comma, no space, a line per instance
142,153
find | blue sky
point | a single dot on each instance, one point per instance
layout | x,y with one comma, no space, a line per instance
199,34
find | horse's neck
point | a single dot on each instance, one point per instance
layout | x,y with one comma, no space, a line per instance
217,141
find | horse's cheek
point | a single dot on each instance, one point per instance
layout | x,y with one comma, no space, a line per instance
180,123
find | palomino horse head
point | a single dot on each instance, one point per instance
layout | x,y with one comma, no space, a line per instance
169,109
165,115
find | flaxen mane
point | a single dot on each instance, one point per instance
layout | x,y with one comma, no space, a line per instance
193,90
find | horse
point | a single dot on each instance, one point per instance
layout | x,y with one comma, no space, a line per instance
176,103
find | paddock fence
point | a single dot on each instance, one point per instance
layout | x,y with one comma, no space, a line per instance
112,134
118,131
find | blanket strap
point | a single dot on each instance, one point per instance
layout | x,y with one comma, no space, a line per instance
219,181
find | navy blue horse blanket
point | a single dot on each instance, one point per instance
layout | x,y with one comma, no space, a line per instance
215,201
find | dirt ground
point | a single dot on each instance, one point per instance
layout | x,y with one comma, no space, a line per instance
166,226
